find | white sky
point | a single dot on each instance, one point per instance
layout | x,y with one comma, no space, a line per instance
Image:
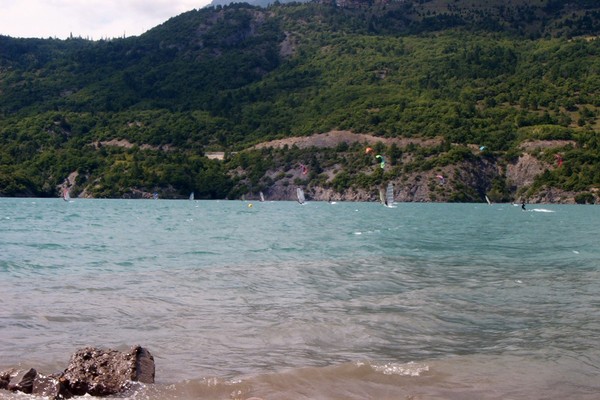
93,19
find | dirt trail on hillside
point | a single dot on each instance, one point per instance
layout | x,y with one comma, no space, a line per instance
334,138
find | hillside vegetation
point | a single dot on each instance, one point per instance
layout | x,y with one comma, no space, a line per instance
501,100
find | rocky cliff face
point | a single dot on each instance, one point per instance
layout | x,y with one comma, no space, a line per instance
414,187
468,181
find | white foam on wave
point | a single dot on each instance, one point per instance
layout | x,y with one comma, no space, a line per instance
542,210
407,369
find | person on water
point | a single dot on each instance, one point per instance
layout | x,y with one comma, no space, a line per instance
523,206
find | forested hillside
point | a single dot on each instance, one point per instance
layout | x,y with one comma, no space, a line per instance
500,100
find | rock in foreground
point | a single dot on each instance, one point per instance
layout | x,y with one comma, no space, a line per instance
103,372
92,371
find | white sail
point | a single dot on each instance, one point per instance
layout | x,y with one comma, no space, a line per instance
300,195
389,195
488,200
66,195
262,196
192,196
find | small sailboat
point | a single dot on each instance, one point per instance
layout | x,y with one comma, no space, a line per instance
66,196
488,200
300,196
155,195
192,196
262,197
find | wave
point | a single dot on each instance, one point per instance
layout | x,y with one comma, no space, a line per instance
352,380
460,377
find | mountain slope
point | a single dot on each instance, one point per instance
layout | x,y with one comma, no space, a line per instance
227,78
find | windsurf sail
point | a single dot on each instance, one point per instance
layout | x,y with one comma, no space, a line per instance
300,195
488,200
155,195
389,195
262,196
192,196
382,196
66,195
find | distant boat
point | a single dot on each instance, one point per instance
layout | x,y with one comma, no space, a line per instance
192,196
488,200
300,195
389,196
262,196
155,195
66,196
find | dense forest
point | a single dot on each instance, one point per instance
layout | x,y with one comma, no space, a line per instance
501,100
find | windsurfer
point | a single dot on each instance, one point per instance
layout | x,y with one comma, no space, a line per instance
523,206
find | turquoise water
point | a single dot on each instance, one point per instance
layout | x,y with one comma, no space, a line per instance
320,301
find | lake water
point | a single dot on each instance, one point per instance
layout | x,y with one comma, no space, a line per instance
315,301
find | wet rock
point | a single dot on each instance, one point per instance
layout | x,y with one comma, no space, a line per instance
91,371
144,365
18,380
22,381
51,387
101,372
4,380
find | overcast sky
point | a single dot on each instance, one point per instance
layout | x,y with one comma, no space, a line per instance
93,19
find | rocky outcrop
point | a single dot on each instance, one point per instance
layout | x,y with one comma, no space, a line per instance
477,176
522,173
91,371
18,381
103,372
